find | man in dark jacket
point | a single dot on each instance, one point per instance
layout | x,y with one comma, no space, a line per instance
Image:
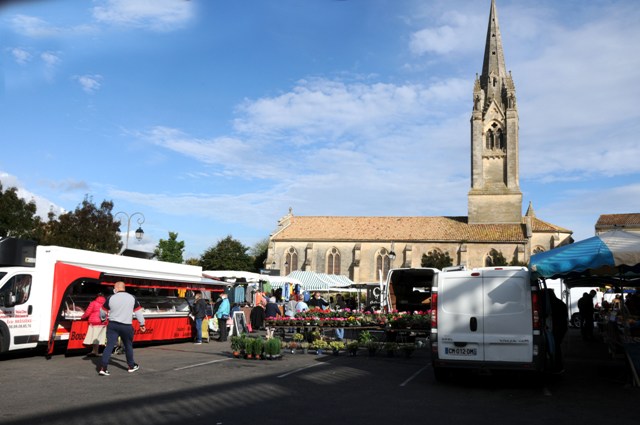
585,307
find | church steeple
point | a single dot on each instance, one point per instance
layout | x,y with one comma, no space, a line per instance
493,64
495,195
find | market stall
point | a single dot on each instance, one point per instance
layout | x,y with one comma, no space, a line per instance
611,258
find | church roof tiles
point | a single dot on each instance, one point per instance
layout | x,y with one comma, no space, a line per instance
454,229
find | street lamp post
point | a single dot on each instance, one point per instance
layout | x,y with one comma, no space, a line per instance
139,232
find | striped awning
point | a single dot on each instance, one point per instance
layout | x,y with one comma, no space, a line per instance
312,281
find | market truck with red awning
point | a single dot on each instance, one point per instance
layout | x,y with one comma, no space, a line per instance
44,291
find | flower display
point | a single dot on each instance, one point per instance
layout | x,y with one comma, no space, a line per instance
347,318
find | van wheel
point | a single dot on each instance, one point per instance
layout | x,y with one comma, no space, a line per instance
441,374
576,320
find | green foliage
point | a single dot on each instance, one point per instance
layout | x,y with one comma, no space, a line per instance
365,337
228,254
496,259
88,227
170,250
514,261
259,254
436,259
18,217
273,346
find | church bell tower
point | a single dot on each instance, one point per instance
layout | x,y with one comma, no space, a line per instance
495,195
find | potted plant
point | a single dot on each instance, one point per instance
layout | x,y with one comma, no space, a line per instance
390,348
336,346
319,345
237,345
248,347
365,337
352,348
305,347
258,346
372,347
272,348
298,337
293,346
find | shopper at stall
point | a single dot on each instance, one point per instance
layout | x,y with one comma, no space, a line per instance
223,315
97,330
199,313
272,310
121,306
318,301
585,307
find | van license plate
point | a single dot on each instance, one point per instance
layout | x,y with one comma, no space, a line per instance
455,351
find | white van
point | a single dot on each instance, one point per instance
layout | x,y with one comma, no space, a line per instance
485,319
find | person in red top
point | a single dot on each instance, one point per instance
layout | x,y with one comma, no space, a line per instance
97,331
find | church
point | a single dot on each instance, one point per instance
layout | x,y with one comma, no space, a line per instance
365,248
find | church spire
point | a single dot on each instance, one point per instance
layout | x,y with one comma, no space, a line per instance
493,54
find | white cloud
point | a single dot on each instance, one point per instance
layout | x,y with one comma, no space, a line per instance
43,205
158,15
21,56
50,59
456,33
89,83
32,26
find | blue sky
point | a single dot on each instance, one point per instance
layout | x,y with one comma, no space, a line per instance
213,117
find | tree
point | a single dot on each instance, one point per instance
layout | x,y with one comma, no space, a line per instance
228,254
496,259
170,250
259,254
88,227
18,217
436,259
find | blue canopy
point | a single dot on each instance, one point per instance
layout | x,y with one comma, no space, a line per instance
612,253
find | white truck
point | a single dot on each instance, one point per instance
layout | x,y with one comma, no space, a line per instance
45,289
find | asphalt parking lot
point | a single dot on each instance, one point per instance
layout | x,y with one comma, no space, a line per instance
204,384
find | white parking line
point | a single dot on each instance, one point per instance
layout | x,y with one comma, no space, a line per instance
201,364
414,375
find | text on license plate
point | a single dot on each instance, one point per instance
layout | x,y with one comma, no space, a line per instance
456,351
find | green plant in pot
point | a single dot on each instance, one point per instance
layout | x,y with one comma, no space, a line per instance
305,347
372,347
272,348
336,346
257,347
352,348
390,348
319,345
248,347
237,345
365,337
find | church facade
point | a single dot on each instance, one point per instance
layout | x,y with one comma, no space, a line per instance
364,248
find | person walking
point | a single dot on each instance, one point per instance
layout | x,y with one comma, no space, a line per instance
97,330
199,313
223,315
121,306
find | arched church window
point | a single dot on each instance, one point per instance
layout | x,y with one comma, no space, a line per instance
538,249
291,261
333,261
383,263
500,139
489,140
